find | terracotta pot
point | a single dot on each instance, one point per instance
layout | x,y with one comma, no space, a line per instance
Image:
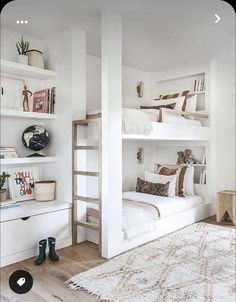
22,59
3,195
35,58
44,190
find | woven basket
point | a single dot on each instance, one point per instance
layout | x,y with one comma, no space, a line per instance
44,190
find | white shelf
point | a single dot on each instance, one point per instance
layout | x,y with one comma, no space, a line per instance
26,71
174,164
27,160
30,115
196,92
31,208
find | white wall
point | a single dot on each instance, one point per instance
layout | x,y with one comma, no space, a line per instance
223,124
130,79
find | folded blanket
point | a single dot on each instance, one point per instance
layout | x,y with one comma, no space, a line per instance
136,121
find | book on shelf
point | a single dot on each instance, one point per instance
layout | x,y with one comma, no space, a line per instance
199,85
202,179
8,152
204,159
44,100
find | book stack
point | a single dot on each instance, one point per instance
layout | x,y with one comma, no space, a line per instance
44,101
199,85
202,180
8,152
8,204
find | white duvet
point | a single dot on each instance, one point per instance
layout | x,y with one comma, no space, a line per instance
136,121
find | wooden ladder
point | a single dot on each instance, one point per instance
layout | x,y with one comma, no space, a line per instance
76,197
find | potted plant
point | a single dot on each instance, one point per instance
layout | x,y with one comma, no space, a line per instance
22,48
35,58
3,192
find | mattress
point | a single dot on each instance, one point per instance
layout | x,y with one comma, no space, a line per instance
141,211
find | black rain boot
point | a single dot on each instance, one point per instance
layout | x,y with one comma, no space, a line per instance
52,254
42,255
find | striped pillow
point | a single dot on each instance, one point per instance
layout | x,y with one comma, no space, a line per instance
181,177
176,95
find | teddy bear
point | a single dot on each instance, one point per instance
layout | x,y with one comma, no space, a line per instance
186,157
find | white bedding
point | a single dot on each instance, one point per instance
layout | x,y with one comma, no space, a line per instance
138,219
136,121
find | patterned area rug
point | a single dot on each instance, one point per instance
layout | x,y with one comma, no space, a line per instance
195,264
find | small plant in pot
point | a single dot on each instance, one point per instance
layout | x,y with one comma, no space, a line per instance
22,48
3,192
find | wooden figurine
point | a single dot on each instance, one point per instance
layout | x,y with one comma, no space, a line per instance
26,93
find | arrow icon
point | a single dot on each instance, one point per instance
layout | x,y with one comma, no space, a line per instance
217,19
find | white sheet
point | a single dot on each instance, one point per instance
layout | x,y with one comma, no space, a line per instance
167,205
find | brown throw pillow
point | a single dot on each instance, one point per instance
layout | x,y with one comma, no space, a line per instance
169,106
181,174
176,95
148,187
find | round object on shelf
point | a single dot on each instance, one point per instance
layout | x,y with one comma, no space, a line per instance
35,138
44,190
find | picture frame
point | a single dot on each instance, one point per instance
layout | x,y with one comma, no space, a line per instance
21,182
11,93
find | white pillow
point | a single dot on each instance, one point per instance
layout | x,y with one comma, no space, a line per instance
153,114
191,104
178,102
189,182
163,179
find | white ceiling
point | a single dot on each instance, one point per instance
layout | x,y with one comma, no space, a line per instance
157,34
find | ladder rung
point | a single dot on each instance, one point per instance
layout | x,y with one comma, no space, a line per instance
85,122
89,225
87,199
85,147
86,173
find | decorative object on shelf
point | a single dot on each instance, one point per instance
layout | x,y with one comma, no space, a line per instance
204,159
140,156
186,158
26,98
35,138
3,192
140,88
22,48
22,182
45,190
44,100
202,180
11,93
8,152
35,58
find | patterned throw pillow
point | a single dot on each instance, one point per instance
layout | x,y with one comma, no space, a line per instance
148,187
176,95
181,177
169,106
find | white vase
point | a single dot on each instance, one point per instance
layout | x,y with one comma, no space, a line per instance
22,59
35,58
44,190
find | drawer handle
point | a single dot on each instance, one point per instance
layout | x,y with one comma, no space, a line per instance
25,218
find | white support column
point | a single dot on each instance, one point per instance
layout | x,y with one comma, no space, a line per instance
78,86
78,69
111,134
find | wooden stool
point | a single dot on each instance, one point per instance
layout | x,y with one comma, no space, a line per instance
226,203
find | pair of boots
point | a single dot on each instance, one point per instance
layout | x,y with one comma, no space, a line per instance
42,251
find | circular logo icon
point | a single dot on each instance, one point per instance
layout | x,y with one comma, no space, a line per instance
21,282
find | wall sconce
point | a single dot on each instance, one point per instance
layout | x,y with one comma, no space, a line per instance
140,156
139,89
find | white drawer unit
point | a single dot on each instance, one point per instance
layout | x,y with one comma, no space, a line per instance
20,236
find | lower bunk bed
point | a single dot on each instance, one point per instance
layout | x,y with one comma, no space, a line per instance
147,217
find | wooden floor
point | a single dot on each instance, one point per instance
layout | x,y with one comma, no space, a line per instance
49,278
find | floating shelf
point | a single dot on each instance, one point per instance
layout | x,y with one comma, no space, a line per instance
29,115
27,160
16,69
174,164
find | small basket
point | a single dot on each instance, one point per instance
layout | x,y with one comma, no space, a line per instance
44,190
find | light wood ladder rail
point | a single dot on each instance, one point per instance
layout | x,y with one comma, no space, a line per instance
76,197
